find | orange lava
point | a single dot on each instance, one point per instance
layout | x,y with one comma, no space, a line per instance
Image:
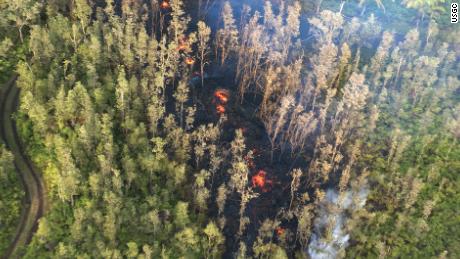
279,231
165,5
222,96
189,61
220,109
258,180
182,45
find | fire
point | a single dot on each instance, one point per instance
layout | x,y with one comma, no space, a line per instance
260,180
182,44
220,100
222,96
220,109
165,5
189,61
279,231
182,47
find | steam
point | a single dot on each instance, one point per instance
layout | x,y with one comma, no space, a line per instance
329,238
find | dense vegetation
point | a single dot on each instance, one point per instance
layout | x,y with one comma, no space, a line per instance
12,193
10,198
159,137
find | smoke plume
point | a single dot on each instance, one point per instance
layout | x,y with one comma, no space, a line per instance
330,238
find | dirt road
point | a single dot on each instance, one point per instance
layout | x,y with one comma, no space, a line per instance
34,202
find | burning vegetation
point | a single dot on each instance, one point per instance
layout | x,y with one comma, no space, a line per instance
280,231
260,181
189,61
220,100
220,109
221,96
165,5
182,44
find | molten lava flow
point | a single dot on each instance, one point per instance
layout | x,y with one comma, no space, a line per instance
279,231
189,61
222,96
259,179
164,5
220,109
182,45
220,100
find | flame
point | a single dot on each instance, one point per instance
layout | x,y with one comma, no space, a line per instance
222,96
164,5
260,180
189,61
279,231
220,109
220,100
182,45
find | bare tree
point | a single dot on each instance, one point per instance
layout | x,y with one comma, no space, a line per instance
295,183
227,37
204,33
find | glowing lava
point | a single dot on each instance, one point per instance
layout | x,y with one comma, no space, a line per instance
279,231
182,44
222,96
189,61
220,109
259,180
165,5
182,47
220,100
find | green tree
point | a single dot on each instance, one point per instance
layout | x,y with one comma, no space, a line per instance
426,6
82,11
22,13
214,241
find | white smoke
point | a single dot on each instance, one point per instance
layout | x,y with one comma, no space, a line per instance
332,215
